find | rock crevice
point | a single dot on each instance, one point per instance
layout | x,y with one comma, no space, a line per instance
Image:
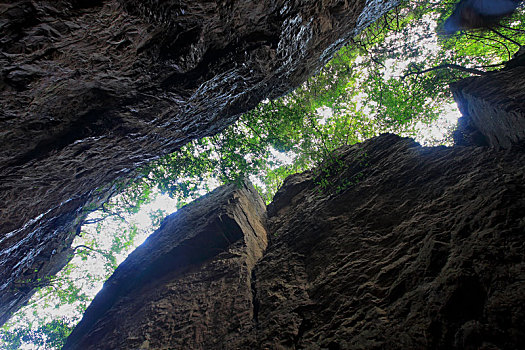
423,248
91,90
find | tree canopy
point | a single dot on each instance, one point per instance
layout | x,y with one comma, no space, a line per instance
393,77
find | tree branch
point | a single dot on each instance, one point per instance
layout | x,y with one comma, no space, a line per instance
92,221
114,213
510,28
492,39
447,65
505,37
89,248
377,62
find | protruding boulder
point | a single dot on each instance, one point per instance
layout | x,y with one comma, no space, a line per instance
493,107
91,90
189,286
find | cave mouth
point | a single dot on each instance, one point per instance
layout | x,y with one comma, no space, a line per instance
387,80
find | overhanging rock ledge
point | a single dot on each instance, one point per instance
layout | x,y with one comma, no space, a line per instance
91,90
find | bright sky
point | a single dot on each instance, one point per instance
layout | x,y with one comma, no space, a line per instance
95,263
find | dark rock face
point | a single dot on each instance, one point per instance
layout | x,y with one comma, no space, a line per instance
90,90
189,285
406,248
411,248
493,107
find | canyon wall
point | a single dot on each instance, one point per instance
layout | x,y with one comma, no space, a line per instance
189,285
91,90
390,246
493,106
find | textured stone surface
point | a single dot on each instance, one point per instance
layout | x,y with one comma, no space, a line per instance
189,285
493,107
411,248
90,90
407,248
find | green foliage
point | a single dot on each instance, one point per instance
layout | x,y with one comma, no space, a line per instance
108,235
336,175
372,86
50,335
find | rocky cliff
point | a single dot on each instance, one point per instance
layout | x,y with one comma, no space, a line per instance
189,285
493,106
389,245
90,90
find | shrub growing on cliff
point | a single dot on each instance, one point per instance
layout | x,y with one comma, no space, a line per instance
393,77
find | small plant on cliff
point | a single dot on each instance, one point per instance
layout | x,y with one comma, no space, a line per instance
341,172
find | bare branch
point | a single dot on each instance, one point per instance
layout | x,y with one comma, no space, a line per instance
92,221
485,38
377,62
505,37
447,65
104,254
117,214
510,28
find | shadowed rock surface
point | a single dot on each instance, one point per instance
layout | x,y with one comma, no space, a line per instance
407,248
189,285
493,107
410,248
90,90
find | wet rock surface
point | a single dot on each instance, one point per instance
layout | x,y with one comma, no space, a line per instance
405,247
189,285
91,90
493,107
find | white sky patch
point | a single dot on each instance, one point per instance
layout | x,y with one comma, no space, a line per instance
430,135
325,113
284,158
394,68
256,181
143,220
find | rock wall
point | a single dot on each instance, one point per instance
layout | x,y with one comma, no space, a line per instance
90,90
493,106
409,248
402,247
189,285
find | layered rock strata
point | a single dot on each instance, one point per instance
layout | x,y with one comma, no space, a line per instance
91,90
189,285
389,245
493,107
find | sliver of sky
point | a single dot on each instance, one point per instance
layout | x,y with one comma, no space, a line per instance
94,264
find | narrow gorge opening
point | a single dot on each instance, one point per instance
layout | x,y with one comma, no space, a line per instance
393,77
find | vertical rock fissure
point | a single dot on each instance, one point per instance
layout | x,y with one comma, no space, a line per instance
255,301
74,120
